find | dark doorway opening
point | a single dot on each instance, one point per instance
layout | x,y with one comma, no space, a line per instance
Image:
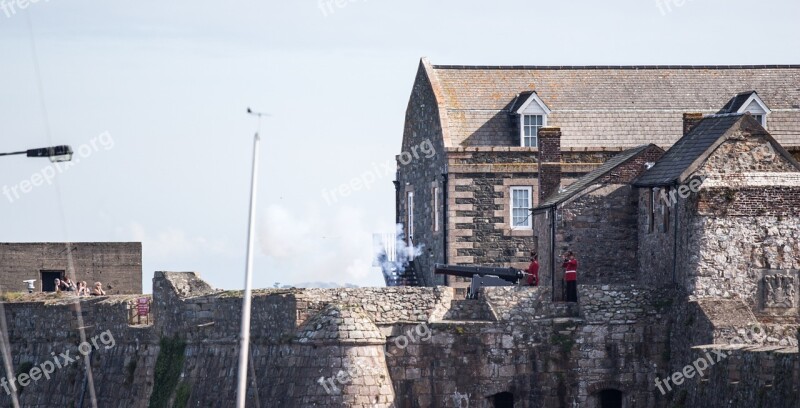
503,400
49,278
611,399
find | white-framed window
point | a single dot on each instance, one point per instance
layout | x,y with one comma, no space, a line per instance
756,107
435,209
530,129
532,113
521,200
410,217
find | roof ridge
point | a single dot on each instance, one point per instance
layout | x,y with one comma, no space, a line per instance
631,67
725,115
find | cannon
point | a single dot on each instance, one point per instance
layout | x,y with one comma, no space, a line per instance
481,276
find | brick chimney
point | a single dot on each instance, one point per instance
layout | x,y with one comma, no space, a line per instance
690,121
549,161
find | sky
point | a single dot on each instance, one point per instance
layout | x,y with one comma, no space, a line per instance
152,97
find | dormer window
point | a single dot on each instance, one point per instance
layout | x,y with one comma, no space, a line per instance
532,114
530,129
749,102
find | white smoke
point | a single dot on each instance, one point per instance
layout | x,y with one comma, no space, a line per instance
394,256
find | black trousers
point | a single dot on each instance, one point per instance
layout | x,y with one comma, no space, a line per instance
572,291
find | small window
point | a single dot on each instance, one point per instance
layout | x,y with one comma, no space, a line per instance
530,129
503,400
410,217
436,209
521,199
49,278
760,119
610,398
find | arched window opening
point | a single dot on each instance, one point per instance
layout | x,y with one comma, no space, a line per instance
610,398
503,400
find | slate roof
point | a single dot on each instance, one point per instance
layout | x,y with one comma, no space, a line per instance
606,106
736,102
591,178
684,152
520,100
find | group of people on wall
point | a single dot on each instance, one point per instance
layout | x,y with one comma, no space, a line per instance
570,265
67,285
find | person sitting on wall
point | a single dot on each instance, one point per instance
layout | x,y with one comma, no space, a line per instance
570,266
98,290
58,285
82,289
62,285
533,270
69,285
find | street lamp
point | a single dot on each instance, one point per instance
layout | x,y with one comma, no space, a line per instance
55,153
244,344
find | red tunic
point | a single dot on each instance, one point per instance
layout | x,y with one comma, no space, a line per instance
572,270
533,270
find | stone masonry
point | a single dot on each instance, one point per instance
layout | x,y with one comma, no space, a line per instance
118,265
401,347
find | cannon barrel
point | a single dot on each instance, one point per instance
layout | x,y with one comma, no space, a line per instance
507,274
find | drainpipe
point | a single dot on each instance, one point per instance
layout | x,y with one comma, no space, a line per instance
444,222
396,200
552,216
675,232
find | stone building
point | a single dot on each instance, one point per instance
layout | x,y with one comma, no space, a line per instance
596,217
469,203
118,265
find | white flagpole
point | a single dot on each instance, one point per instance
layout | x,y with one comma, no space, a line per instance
244,347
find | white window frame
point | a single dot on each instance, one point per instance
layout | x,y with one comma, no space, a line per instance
528,221
764,109
436,209
410,217
522,125
533,106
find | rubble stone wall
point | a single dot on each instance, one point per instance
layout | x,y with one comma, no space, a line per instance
118,265
544,354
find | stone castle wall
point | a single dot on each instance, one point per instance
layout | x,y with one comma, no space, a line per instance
401,346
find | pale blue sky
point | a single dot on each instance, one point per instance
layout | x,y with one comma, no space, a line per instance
170,82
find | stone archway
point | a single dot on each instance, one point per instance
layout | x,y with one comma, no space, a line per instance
609,398
606,394
502,400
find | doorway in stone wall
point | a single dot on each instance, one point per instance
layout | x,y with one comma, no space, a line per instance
49,278
503,400
610,398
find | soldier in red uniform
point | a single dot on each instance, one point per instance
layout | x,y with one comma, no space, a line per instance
570,266
533,270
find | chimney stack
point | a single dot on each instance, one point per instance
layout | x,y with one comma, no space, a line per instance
549,161
690,121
